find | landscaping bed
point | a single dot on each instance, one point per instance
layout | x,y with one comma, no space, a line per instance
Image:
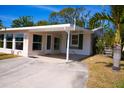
101,74
6,56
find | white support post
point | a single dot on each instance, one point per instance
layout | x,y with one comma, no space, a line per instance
26,44
4,44
67,51
13,44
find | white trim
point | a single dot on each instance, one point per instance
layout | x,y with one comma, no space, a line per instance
95,29
68,43
13,42
48,28
4,43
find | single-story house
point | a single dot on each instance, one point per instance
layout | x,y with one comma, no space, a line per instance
50,39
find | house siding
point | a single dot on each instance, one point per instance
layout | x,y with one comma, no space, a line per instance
87,48
28,40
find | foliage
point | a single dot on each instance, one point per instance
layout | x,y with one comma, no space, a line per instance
108,37
23,21
6,56
116,17
67,15
55,18
106,41
41,23
100,46
1,23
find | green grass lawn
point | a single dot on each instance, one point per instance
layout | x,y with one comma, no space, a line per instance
6,56
101,74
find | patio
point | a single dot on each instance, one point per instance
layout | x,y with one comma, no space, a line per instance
61,56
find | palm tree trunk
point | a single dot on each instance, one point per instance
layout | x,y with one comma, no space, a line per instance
117,50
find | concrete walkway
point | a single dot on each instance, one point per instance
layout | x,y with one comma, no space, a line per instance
36,73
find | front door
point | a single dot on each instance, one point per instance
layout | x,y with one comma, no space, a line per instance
48,47
56,44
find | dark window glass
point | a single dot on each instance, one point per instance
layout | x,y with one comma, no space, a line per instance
1,40
19,41
9,45
36,46
37,42
37,38
74,39
19,45
80,46
48,42
56,43
9,38
19,37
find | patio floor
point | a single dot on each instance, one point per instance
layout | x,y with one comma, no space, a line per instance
72,57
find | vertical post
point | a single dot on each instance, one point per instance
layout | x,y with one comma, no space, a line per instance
13,44
67,51
4,44
26,44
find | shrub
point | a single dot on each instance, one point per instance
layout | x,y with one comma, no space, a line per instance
100,46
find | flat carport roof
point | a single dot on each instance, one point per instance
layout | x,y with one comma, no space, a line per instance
47,28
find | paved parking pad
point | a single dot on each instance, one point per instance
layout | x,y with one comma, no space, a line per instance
24,72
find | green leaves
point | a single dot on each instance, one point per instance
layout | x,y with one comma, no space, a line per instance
67,15
98,17
23,21
116,17
1,23
41,23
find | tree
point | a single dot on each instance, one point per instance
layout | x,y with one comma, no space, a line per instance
23,21
55,18
1,23
106,41
41,23
115,17
67,15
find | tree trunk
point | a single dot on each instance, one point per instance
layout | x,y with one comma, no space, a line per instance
116,57
117,50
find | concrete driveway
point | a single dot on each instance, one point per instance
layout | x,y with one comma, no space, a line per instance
42,73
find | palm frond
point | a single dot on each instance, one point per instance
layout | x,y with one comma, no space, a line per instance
99,17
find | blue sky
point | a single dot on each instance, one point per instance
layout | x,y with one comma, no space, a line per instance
39,12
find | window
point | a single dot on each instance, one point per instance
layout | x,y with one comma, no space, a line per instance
37,39
74,40
1,40
56,43
9,38
19,41
48,42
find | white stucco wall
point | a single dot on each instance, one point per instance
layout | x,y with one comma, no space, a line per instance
87,48
28,40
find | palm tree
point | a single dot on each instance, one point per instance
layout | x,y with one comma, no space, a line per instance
116,17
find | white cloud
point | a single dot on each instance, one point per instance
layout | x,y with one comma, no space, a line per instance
47,8
7,17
